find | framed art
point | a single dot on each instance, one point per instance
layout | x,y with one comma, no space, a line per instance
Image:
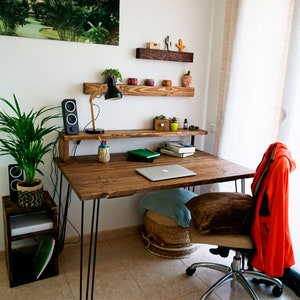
85,21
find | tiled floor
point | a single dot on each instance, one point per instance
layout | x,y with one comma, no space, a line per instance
125,270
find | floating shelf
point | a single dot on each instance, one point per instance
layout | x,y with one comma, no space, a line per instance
164,55
141,90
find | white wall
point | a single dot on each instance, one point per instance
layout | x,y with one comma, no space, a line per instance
44,72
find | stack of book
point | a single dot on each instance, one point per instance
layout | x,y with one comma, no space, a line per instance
177,148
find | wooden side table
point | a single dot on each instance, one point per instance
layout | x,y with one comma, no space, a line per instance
22,240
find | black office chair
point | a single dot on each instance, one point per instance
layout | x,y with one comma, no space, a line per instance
227,220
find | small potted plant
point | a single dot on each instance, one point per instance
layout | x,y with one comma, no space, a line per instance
187,79
112,73
22,137
161,123
174,123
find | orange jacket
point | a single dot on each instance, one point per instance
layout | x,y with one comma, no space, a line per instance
270,229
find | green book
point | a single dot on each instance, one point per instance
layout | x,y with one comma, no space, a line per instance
144,153
43,254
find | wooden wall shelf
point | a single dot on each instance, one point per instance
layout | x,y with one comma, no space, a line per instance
141,90
64,139
164,55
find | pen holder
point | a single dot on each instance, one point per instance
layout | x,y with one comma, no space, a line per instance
103,155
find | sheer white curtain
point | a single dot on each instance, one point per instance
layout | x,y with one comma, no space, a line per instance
290,125
259,87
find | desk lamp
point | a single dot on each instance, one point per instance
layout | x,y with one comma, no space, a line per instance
112,93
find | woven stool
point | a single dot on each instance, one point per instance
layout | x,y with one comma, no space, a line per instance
163,237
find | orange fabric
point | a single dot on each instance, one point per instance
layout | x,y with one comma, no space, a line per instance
270,231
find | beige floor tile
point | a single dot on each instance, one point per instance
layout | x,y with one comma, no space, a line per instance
125,270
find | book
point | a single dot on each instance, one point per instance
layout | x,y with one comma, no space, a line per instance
22,224
179,147
170,152
132,157
43,254
144,153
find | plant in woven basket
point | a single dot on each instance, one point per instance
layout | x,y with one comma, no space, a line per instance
22,137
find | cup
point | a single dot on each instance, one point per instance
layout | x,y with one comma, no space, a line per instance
103,154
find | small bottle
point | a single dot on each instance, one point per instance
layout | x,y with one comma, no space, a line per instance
185,124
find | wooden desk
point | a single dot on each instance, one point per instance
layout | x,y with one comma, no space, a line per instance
93,180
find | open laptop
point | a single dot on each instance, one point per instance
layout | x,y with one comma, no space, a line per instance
164,172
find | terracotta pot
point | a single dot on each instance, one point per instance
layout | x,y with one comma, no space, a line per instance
186,80
30,196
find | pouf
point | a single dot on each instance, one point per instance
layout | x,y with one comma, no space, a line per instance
163,237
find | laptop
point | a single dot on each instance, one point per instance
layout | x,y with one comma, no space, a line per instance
164,172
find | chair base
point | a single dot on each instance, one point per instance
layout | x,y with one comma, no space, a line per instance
236,274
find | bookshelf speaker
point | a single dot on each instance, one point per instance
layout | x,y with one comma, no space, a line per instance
69,110
14,176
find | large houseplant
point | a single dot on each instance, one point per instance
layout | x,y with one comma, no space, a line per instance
22,137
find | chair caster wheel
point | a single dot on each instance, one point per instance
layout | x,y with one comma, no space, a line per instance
190,271
277,291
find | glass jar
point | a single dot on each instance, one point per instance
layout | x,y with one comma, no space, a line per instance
103,154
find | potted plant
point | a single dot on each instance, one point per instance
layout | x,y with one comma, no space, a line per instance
112,73
187,79
161,123
22,137
174,123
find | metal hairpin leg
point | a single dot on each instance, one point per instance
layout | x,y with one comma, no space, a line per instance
92,252
243,185
243,189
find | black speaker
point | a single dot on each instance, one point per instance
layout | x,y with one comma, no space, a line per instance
14,176
69,110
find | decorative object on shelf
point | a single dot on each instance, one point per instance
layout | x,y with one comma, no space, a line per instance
185,124
103,151
155,46
168,43
132,81
180,46
149,82
174,123
112,73
187,79
23,139
161,123
112,93
167,83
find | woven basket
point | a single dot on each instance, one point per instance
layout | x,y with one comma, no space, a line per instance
30,196
162,236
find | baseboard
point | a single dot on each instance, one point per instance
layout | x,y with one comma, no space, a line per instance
105,235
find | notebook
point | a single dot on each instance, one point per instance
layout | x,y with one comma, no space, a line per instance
165,172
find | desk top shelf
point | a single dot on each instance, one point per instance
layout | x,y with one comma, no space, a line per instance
64,139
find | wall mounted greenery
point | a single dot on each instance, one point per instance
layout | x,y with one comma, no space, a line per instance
87,21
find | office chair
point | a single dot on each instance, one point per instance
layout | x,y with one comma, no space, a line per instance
239,222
